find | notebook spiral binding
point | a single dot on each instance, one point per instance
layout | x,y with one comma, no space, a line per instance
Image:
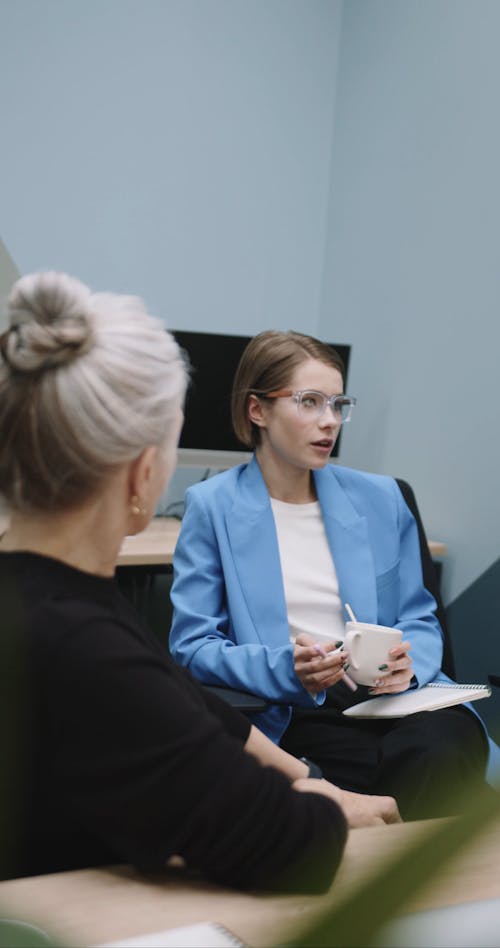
454,684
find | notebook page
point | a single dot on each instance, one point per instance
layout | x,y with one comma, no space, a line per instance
429,698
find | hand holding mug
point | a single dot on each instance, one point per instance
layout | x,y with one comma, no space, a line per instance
378,657
317,666
398,674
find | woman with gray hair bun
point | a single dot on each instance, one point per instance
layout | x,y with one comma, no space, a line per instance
127,758
103,380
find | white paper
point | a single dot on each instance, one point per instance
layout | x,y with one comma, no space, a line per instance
429,698
454,926
203,935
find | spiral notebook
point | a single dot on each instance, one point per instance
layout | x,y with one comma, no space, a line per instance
438,694
201,935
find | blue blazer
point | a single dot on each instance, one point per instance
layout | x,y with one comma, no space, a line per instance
230,623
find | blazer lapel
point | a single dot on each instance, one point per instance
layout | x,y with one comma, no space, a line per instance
254,545
347,535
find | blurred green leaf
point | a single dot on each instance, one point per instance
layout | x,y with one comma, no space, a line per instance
356,921
17,934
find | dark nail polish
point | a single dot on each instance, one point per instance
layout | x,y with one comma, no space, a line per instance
382,668
338,644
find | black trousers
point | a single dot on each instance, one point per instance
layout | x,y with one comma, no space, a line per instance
424,760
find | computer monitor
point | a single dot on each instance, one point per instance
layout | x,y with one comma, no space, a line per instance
207,438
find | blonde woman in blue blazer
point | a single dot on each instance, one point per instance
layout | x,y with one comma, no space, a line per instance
267,557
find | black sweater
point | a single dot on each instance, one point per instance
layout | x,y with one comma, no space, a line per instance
124,757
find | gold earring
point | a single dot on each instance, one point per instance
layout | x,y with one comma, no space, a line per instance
135,506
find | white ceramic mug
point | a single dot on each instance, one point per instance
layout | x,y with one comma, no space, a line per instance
368,646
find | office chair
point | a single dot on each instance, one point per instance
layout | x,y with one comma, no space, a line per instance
430,577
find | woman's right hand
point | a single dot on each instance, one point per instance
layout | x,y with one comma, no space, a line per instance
360,809
317,667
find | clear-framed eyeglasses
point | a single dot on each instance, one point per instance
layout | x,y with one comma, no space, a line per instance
312,404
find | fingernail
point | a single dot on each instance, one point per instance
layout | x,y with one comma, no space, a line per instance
338,644
346,665
382,668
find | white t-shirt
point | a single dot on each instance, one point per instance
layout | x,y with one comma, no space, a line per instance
309,577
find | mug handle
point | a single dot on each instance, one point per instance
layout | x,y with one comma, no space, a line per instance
354,637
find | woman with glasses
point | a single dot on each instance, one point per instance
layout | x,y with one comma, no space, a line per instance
268,555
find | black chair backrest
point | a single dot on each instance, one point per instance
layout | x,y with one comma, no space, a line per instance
430,577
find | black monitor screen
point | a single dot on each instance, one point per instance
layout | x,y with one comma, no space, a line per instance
214,358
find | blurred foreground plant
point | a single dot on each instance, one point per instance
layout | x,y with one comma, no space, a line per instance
358,919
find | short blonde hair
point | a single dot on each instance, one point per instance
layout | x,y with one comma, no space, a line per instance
267,364
87,381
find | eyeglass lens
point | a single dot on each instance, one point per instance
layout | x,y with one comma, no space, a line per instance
315,403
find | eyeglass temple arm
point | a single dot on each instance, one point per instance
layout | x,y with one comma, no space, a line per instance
280,393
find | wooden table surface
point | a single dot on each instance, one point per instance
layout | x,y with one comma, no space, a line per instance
97,905
155,545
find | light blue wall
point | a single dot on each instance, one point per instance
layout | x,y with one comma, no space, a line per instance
412,265
291,163
179,149
8,274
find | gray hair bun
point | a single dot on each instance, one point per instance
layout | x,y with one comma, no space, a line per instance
50,322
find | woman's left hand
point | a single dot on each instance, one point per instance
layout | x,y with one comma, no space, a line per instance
399,672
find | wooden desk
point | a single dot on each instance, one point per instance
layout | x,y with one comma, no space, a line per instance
98,905
153,547
437,548
156,544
